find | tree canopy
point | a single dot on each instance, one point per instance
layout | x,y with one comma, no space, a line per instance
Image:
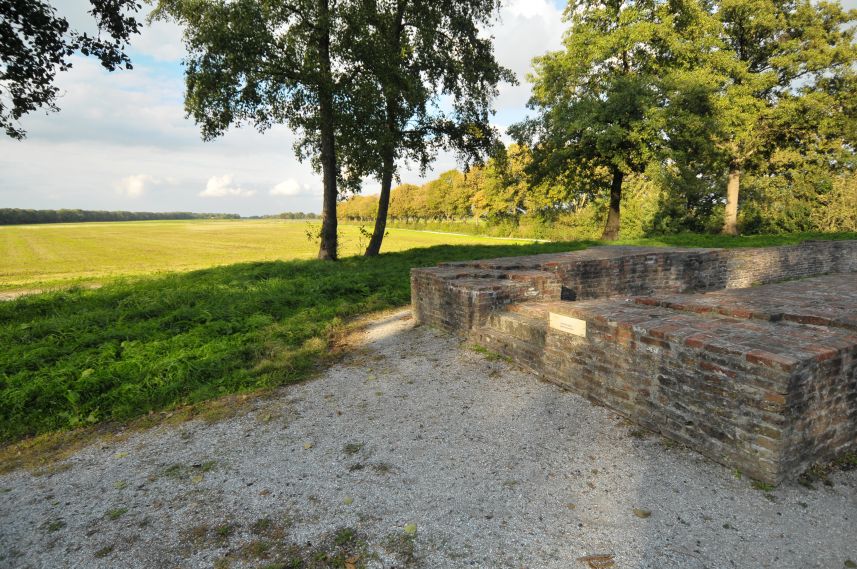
697,93
413,54
36,43
358,80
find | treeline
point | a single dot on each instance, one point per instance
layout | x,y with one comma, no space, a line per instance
287,215
498,199
298,215
12,216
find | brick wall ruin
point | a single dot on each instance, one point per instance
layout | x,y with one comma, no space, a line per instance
763,378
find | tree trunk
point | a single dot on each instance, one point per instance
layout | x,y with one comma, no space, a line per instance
733,186
389,151
328,245
374,247
611,230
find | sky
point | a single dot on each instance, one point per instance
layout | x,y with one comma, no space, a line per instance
121,140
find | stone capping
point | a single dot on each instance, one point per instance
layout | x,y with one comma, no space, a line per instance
458,296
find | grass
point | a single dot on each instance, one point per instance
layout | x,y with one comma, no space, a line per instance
78,357
55,255
82,357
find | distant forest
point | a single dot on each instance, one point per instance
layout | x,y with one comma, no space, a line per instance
9,216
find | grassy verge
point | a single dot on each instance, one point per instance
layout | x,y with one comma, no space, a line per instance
82,357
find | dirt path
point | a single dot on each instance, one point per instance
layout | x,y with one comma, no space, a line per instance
416,453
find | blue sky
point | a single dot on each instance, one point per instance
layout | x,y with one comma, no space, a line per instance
121,141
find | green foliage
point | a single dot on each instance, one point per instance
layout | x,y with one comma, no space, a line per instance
80,357
601,100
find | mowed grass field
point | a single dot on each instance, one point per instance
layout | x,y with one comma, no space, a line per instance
50,255
79,357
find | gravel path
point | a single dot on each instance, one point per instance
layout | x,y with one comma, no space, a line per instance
416,452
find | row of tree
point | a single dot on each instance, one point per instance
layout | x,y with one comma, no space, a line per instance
500,200
10,216
359,81
287,215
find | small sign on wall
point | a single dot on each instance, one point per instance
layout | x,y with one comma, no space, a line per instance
568,324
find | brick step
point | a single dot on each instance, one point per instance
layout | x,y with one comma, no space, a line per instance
521,326
525,354
532,310
515,336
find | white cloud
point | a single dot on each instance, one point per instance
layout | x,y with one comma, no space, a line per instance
134,186
161,41
222,186
526,29
289,187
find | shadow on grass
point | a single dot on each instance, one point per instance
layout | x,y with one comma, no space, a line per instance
80,357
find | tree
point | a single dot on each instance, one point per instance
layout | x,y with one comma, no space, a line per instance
777,50
262,63
413,52
36,43
596,99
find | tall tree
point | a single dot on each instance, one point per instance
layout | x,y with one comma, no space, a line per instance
777,50
36,43
413,53
267,62
596,99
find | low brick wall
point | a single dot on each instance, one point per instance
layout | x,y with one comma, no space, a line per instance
763,379
459,296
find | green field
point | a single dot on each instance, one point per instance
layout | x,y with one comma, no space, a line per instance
38,256
78,357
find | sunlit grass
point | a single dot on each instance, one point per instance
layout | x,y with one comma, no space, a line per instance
53,255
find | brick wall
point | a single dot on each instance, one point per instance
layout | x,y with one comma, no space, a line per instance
458,296
762,379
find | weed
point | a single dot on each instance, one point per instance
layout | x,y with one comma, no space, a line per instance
175,471
820,472
223,531
116,513
104,551
763,486
53,525
352,448
344,536
257,549
489,355
640,433
262,525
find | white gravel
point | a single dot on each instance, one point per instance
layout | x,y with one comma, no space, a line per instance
495,468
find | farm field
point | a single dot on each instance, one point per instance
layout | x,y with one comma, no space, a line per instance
53,255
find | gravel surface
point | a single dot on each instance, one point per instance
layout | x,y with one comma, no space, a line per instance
416,452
